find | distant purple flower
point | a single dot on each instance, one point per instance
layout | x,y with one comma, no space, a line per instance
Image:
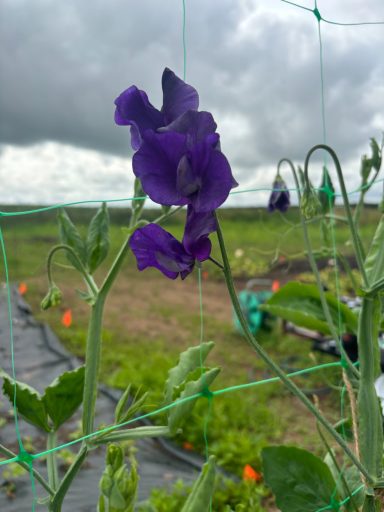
134,109
182,164
155,247
279,198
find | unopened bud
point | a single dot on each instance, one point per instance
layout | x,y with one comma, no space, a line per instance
53,297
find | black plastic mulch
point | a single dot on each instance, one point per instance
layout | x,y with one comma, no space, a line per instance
39,359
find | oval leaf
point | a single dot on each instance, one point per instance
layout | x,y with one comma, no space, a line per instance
98,239
64,395
179,412
70,236
374,262
29,402
190,359
300,481
300,304
202,491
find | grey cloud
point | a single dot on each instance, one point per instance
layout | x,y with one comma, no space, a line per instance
63,63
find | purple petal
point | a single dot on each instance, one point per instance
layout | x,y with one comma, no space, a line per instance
197,229
178,97
279,198
197,125
156,164
215,175
155,247
133,108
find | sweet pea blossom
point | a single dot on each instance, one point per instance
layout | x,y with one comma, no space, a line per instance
279,198
182,164
134,109
153,246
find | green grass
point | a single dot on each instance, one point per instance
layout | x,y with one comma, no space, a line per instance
150,320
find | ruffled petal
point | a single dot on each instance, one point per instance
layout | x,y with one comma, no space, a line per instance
197,125
216,180
133,108
178,97
156,163
197,229
155,247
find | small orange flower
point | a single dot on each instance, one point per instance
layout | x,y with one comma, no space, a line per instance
251,474
275,285
23,288
187,446
205,275
66,319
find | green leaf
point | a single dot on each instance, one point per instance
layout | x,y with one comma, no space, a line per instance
29,402
70,236
374,262
352,481
192,358
123,411
300,303
179,412
202,491
97,245
300,481
64,396
376,155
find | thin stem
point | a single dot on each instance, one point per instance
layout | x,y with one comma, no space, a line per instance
217,263
36,474
58,499
315,269
359,252
92,364
339,471
274,367
63,247
53,475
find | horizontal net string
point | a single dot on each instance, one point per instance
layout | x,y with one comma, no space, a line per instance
340,23
205,393
143,198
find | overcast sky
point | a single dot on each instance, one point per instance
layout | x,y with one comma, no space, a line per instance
255,64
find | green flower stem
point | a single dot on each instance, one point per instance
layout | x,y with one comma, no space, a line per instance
315,270
53,475
368,406
359,251
57,501
275,368
38,477
63,247
92,364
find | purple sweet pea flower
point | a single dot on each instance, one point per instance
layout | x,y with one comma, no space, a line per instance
182,164
197,229
134,109
279,198
155,247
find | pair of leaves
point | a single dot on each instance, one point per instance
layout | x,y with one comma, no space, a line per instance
92,251
300,481
300,304
180,385
58,403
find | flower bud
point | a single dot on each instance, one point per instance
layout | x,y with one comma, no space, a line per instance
310,205
53,297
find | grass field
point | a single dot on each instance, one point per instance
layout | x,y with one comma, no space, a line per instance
150,320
